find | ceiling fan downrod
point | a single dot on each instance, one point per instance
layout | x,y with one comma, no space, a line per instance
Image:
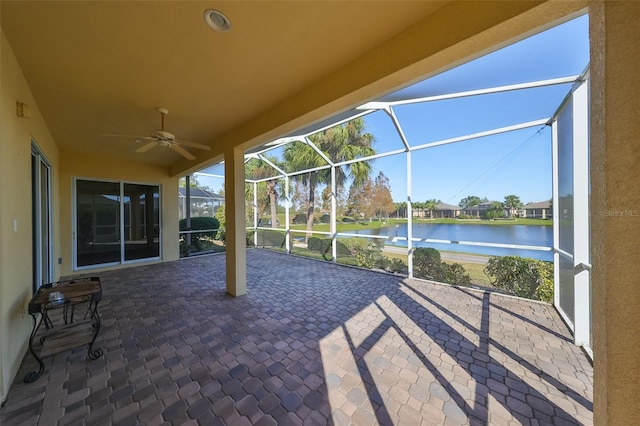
163,112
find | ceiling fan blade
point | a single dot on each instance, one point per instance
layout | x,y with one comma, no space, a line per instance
145,139
123,136
180,150
193,145
146,147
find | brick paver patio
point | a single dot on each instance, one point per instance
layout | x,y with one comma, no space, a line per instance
311,343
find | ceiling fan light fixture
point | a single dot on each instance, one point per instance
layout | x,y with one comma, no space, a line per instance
217,20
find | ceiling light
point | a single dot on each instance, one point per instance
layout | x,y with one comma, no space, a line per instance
216,20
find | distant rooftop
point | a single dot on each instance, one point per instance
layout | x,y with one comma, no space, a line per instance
200,193
538,205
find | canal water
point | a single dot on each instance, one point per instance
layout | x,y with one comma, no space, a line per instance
503,234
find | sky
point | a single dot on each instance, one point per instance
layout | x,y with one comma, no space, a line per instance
517,162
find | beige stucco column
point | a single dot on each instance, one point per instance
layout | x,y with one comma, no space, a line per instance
615,160
235,222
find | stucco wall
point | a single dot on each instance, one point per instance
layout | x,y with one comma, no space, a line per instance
615,209
16,135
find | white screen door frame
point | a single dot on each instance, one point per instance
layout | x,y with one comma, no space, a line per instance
571,211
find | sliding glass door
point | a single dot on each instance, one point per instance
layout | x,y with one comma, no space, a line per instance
115,222
97,222
141,221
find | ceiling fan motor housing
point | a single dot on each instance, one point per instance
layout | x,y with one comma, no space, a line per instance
162,135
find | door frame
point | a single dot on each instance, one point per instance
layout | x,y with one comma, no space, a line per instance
121,226
38,238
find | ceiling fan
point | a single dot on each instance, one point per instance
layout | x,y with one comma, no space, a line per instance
163,138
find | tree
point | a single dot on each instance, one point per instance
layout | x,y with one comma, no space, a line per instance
340,143
400,209
430,206
298,193
469,201
267,191
512,203
326,198
360,202
416,208
198,206
341,201
193,183
381,197
496,210
273,197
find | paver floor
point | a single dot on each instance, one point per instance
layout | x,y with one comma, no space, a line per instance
310,343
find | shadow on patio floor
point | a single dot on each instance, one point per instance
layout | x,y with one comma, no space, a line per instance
312,343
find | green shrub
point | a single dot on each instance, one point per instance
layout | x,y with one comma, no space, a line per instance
366,254
365,259
427,263
359,249
381,262
271,238
350,246
325,218
222,236
320,245
455,274
248,238
390,265
348,220
495,214
220,215
199,240
544,292
399,266
523,277
299,218
342,249
197,223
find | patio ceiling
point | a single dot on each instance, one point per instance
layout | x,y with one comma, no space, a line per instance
103,67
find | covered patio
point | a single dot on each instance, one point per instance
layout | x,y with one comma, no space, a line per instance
311,343
84,84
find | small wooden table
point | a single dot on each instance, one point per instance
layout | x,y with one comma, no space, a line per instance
54,305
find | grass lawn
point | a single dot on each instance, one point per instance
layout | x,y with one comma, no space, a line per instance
350,226
315,255
475,270
376,224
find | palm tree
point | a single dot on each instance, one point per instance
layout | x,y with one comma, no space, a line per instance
340,143
267,192
401,208
430,205
496,210
512,203
273,196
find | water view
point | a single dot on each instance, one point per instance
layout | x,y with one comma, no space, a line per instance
507,234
